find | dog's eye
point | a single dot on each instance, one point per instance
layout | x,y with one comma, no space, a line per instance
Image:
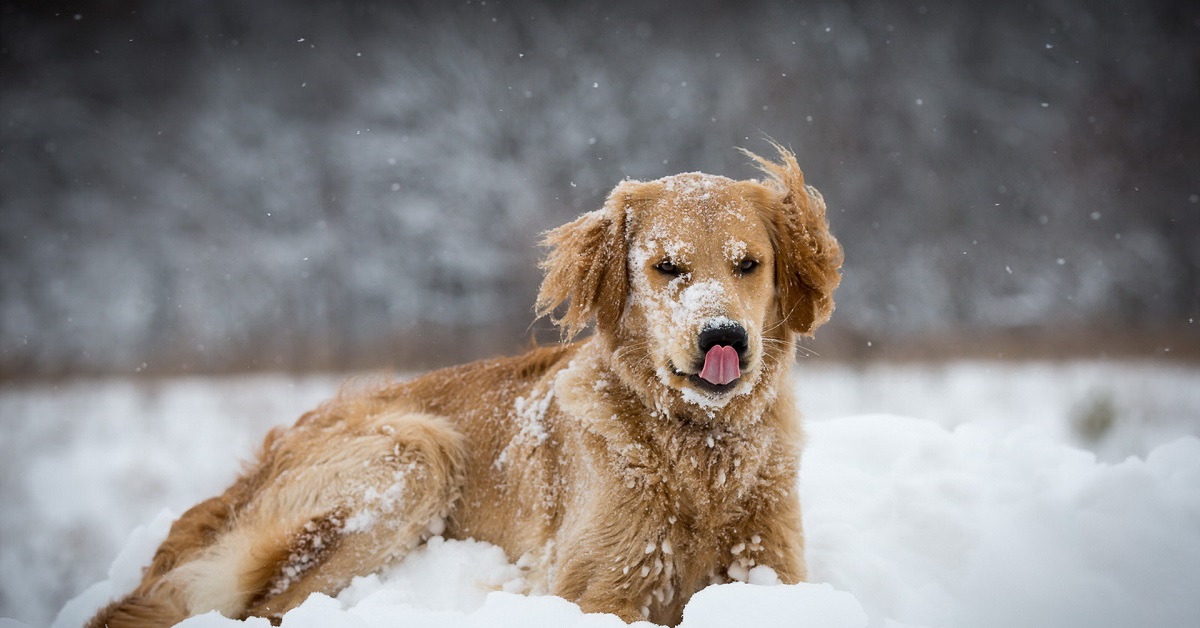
747,266
666,267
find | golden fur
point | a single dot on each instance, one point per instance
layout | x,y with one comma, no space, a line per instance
604,467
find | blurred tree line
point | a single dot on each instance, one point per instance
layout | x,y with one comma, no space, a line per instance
216,184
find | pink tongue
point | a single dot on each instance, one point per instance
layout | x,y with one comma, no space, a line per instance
720,366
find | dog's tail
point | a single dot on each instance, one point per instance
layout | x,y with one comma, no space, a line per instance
156,601
158,608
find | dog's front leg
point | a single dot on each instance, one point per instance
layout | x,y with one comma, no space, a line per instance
772,535
617,566
611,592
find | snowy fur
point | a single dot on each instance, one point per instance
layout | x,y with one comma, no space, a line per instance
604,468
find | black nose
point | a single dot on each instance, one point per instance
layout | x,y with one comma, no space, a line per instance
731,335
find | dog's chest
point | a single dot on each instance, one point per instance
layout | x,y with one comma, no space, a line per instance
700,476
696,472
692,499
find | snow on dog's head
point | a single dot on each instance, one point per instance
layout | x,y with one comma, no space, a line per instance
699,282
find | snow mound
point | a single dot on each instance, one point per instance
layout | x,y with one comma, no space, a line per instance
964,528
907,523
739,604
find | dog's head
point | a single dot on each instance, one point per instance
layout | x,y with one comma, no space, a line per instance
699,280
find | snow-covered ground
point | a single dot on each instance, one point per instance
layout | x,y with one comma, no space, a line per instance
956,494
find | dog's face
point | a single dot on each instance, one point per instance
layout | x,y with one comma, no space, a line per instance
698,282
701,293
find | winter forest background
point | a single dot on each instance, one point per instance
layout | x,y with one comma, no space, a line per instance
212,210
199,185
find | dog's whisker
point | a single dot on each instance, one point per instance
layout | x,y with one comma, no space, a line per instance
806,352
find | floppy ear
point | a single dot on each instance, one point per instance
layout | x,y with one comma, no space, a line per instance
586,269
808,260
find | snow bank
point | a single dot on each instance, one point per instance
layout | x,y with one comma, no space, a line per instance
908,523
962,528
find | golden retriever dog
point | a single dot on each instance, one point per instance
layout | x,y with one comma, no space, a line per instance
623,472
